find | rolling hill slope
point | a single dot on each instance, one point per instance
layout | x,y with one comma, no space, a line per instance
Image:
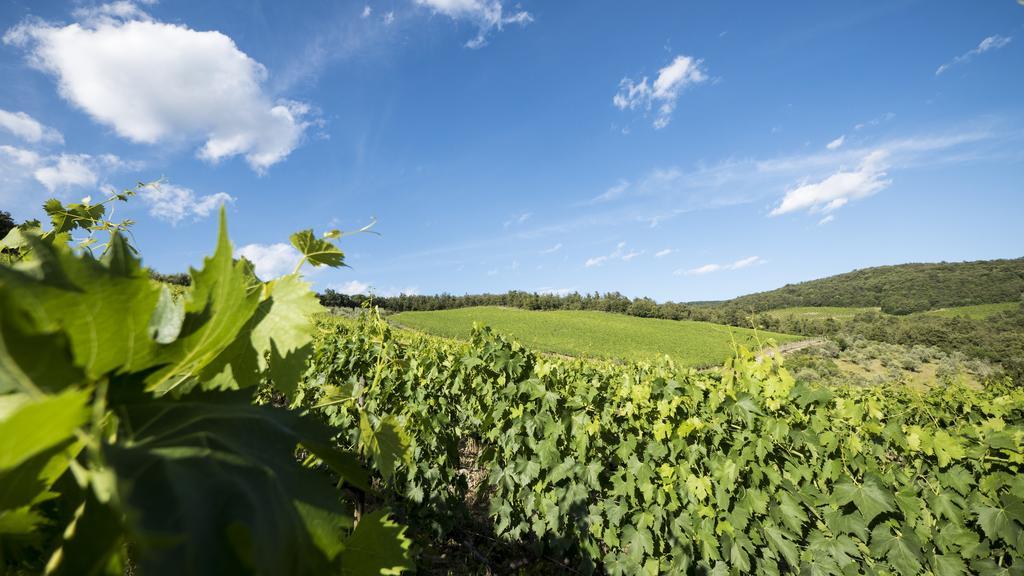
595,334
900,289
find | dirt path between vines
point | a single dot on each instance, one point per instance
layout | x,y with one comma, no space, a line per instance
792,347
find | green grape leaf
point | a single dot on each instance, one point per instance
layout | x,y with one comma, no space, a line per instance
218,307
869,497
948,565
959,479
955,538
23,364
281,329
178,457
790,512
996,523
386,444
840,523
317,251
22,434
942,504
20,522
947,448
779,542
901,549
638,542
377,546
168,316
68,218
103,311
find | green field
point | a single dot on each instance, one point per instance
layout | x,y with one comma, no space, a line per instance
594,334
820,312
977,312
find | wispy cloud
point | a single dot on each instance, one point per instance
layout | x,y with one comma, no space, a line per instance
611,193
663,93
672,192
488,15
518,219
875,121
629,256
663,253
994,42
709,268
552,249
620,253
837,143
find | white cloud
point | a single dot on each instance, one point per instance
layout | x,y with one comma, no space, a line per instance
28,128
839,188
619,253
991,43
389,18
705,269
828,218
629,256
366,11
175,203
68,171
270,260
351,287
58,172
612,193
745,263
156,82
875,121
663,253
835,144
552,249
709,268
488,15
20,156
518,219
664,92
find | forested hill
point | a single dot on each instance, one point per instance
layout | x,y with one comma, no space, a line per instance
901,289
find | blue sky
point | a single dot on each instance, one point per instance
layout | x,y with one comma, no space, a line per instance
678,150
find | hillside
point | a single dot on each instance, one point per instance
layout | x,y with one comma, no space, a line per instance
595,334
900,289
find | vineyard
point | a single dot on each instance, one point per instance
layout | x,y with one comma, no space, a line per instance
224,430
651,468
596,334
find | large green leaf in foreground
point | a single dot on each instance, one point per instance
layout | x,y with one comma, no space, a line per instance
220,304
102,308
280,329
211,486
